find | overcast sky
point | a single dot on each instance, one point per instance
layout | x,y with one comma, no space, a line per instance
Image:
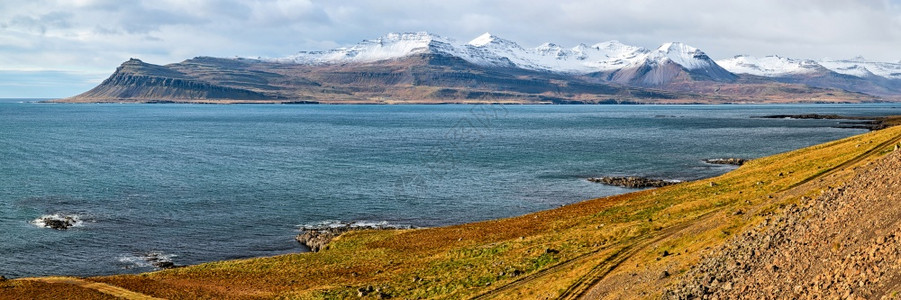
64,47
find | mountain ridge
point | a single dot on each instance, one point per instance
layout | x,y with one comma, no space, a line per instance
422,67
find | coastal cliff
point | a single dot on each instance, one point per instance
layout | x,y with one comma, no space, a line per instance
136,80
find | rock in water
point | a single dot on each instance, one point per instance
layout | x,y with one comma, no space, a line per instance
56,221
160,260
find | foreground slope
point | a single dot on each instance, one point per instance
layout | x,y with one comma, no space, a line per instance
625,246
842,243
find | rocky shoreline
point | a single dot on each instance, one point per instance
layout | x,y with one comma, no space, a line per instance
726,161
632,182
869,123
318,237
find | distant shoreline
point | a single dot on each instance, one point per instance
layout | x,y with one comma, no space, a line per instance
439,102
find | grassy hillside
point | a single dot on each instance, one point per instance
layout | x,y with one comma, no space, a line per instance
630,245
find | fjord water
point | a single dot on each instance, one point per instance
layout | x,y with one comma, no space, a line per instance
200,183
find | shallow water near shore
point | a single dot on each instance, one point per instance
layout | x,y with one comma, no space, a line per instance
196,183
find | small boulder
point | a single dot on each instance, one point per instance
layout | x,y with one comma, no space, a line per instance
164,264
663,275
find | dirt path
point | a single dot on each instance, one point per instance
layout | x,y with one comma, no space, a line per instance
97,286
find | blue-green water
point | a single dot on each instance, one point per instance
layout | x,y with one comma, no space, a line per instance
205,182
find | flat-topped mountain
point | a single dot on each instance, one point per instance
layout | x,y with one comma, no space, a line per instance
428,68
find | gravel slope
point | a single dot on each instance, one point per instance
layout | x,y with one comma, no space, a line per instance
845,243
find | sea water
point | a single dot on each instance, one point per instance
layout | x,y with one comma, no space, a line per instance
197,183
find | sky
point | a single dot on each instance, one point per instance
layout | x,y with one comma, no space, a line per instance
59,48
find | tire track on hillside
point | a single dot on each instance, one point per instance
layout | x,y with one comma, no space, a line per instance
97,286
849,162
584,284
616,259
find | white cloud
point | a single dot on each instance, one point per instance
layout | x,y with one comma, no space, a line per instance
97,35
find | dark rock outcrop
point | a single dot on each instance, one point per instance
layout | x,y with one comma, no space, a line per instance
632,182
869,123
318,239
159,260
726,161
805,116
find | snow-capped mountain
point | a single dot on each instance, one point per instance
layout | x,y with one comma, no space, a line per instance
390,46
776,66
770,66
669,63
857,75
487,48
491,50
687,56
672,66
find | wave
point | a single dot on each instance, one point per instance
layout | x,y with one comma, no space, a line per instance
152,259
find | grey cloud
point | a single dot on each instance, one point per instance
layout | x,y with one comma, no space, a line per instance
100,34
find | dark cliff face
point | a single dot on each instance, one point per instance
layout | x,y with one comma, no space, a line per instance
135,79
